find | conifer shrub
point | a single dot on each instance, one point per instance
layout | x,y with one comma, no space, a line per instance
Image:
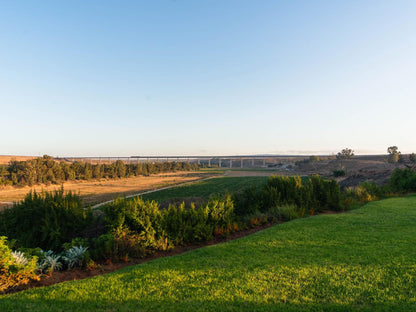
292,194
45,220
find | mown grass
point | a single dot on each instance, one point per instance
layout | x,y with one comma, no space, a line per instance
363,260
205,188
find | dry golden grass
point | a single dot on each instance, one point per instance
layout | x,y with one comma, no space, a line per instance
97,191
5,159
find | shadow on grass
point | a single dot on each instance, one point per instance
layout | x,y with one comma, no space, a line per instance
93,304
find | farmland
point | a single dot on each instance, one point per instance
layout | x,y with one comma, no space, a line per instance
358,261
101,190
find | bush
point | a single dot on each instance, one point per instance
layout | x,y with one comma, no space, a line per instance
285,212
403,180
339,173
119,245
45,220
313,194
49,262
75,256
363,193
15,268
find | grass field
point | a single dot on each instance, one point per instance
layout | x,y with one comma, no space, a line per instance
205,188
364,260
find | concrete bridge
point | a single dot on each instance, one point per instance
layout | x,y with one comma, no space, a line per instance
233,161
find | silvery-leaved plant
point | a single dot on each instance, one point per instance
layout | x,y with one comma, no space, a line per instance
50,262
74,256
19,258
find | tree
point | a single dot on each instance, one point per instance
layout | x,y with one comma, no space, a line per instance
346,153
393,154
412,158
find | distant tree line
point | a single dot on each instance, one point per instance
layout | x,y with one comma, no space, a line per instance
46,170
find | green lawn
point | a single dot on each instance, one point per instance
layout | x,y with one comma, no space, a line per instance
364,260
205,188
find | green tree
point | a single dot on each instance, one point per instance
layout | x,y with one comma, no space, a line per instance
346,153
120,169
394,154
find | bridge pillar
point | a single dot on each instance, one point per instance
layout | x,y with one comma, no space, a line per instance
264,162
252,162
209,162
241,163
231,163
219,162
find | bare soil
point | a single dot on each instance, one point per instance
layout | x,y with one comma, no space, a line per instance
358,169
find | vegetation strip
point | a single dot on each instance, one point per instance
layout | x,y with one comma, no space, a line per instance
47,170
360,261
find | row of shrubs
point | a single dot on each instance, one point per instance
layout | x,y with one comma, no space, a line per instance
47,170
308,195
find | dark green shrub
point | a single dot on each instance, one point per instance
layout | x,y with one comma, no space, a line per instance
78,241
339,173
403,180
313,194
104,247
45,220
247,201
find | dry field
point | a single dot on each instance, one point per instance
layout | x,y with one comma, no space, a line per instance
98,191
5,159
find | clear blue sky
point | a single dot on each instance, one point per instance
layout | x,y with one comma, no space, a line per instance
109,78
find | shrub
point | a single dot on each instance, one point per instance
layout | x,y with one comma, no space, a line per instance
339,173
19,258
49,262
15,268
104,247
284,212
247,201
314,194
403,180
45,220
75,256
119,245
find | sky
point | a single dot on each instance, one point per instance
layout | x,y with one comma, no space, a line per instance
205,77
